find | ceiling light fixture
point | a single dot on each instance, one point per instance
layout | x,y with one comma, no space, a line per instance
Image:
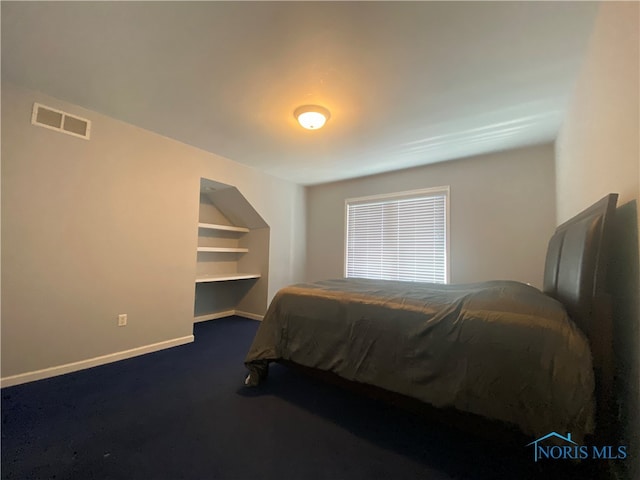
311,117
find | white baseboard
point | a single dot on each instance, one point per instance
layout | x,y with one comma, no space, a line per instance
91,362
214,316
251,316
228,313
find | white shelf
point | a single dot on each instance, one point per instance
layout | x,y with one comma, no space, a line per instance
226,277
223,249
232,254
226,228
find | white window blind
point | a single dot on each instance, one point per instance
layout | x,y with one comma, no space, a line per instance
399,238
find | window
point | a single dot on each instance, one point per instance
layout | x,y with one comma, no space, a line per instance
401,236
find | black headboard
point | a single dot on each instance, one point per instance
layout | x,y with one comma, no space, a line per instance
577,257
576,275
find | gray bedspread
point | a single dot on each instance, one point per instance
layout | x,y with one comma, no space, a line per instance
499,349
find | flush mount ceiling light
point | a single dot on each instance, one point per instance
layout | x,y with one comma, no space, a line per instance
312,117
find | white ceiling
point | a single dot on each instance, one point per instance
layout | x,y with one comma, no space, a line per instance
407,83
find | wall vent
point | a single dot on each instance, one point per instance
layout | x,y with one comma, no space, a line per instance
53,119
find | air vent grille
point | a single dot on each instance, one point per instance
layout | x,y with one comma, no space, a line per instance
53,119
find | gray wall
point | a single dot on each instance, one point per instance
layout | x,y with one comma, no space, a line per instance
598,148
91,229
502,214
598,151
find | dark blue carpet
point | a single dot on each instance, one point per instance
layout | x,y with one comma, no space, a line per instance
183,413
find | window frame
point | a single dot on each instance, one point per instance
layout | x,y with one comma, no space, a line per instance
408,194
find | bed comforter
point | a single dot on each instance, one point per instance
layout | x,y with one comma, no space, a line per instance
499,349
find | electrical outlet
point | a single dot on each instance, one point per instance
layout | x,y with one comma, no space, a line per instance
122,320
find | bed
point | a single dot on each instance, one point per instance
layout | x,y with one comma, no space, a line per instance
500,350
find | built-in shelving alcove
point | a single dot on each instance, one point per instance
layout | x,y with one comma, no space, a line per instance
232,271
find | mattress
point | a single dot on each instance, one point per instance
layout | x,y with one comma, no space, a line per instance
500,349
